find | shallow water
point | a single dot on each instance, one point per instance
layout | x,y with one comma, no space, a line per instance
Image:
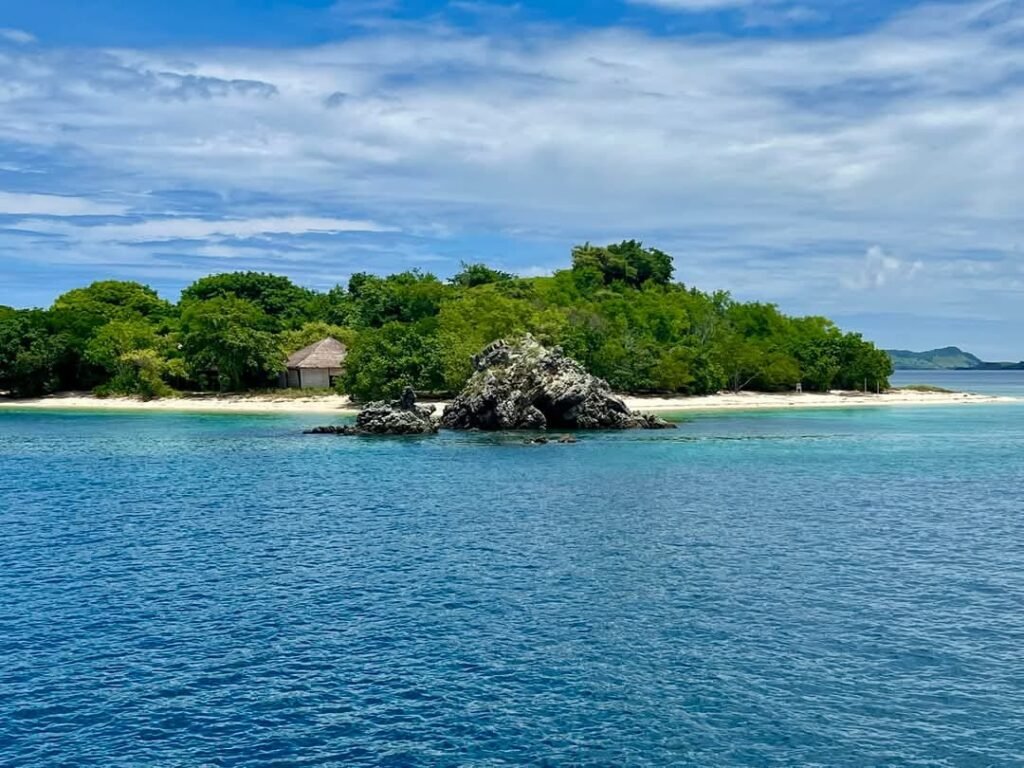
840,588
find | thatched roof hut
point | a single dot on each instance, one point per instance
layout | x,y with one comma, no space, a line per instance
316,366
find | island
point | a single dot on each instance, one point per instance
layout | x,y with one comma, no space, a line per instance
617,310
945,359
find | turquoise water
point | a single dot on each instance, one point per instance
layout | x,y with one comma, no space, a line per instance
836,588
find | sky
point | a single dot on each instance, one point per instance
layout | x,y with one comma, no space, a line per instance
861,160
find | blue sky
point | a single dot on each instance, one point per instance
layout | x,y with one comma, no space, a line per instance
863,160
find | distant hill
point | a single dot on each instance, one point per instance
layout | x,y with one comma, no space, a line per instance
945,359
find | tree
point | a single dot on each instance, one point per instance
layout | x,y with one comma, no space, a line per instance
383,361
627,262
615,310
140,372
108,300
482,315
228,340
134,357
116,338
278,297
473,275
407,297
31,354
334,307
862,365
78,315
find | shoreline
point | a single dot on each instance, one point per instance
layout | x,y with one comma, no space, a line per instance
757,401
341,404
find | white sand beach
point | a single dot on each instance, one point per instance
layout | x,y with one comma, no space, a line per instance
83,401
270,403
742,401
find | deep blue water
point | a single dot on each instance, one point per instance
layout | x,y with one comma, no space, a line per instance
834,588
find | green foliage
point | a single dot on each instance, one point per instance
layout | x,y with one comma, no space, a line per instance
472,321
334,307
616,311
407,297
473,275
31,354
228,341
113,300
627,262
79,314
383,361
278,297
118,338
139,372
134,356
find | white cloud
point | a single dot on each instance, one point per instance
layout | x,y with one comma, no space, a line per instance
881,270
781,16
17,36
765,165
155,230
21,204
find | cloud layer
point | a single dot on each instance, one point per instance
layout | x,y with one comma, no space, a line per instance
771,166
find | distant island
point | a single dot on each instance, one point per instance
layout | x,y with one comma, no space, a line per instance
945,359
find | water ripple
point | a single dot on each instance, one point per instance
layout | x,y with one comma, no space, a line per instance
819,589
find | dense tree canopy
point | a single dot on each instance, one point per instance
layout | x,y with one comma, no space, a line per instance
627,262
228,340
31,353
616,310
278,297
114,300
473,275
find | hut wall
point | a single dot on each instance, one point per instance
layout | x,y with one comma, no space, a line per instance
310,378
315,378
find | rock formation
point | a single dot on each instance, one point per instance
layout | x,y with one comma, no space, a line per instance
524,385
398,417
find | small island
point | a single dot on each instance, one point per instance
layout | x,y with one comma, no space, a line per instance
617,311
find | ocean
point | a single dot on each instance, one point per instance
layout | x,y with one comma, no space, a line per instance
1005,383
832,588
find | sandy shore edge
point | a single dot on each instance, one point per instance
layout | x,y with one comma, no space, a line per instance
340,404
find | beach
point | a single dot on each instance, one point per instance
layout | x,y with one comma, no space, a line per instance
271,403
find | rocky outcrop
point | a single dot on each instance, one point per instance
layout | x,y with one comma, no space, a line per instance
563,440
525,385
650,421
398,417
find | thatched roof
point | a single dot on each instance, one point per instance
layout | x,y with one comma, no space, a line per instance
326,353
